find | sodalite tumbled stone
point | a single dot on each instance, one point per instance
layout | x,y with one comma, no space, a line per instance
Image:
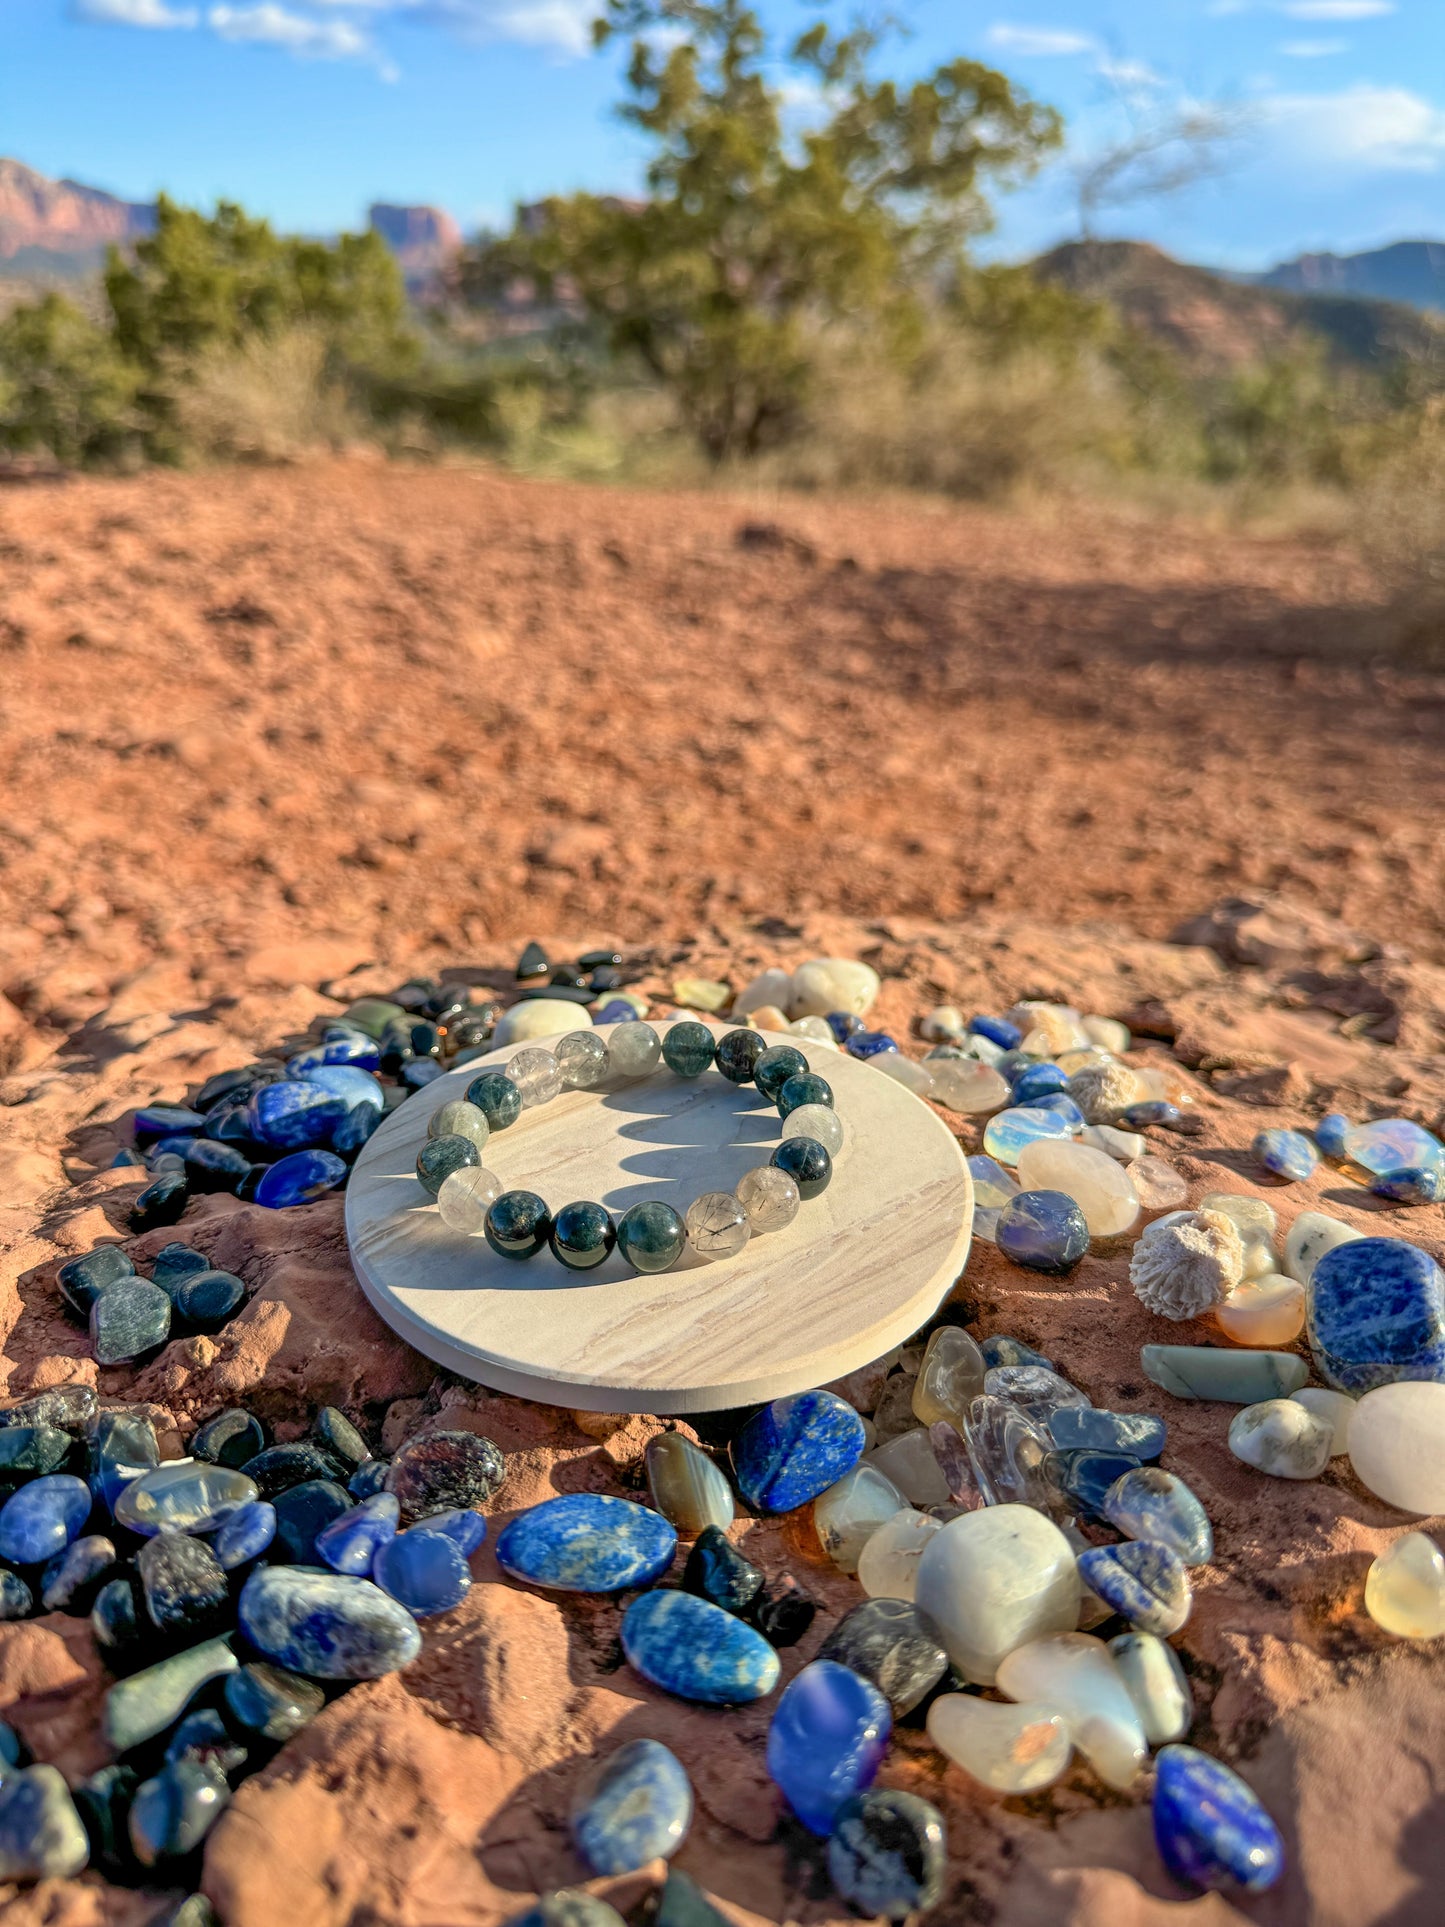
1152,1504
427,1571
796,1448
352,1085
1375,1310
587,1542
1142,1580
246,1535
350,1544
299,1178
1082,1428
292,1115
634,1807
1287,1154
694,1649
326,1625
1042,1230
827,1738
1210,1828
42,1518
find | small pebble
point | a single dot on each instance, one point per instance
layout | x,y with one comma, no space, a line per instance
41,1834
1405,1588
270,1701
1286,1154
1282,1438
172,1814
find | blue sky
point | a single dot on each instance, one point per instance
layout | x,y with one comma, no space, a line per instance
306,110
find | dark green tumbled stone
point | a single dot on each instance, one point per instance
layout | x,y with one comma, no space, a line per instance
207,1299
132,1317
688,1049
777,1064
174,1263
272,1702
806,1162
651,1236
440,1156
82,1280
185,1588
582,1236
497,1097
738,1052
162,1202
518,1224
805,1088
301,1512
230,1438
26,1451
336,1434
280,1467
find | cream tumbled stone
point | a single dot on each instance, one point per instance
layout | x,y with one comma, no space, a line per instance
1160,1186
964,1085
815,1029
1397,1445
831,983
1312,1234
538,1017
846,1516
1075,1672
888,1564
1103,1191
1405,1588
1048,1028
772,987
1281,1438
1338,1408
1108,1033
1013,1749
1155,1681
996,1579
943,1024
1267,1311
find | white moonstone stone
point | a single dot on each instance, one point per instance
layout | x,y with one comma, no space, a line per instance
888,1564
466,1196
913,1077
1268,1311
584,1060
770,1198
1405,1588
537,1075
538,1017
1256,1223
772,987
460,1119
1397,1445
717,1225
1103,1192
908,1460
964,1085
846,1516
1159,1185
1075,1673
1312,1234
831,983
818,1121
1336,1408
1124,1146
1282,1438
1107,1032
994,1580
1155,1681
1013,1749
636,1049
950,1378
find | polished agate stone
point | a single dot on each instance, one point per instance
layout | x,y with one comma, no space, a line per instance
633,1807
587,1542
440,1156
1012,1749
992,1189
1155,1682
1152,1504
1075,1674
817,1121
1210,1828
949,1379
518,1224
770,1197
497,1097
892,1644
1376,1312
1142,1581
582,1236
426,1570
1286,1154
651,1236
716,1225
185,1495
584,1061
909,1462
964,1085
1335,1408
1007,1451
850,1511
1006,1134
1265,1310
1217,1372
888,1563
827,1739
994,1580
636,1049
460,1119
1397,1446
795,1448
886,1854
1042,1230
694,1649
687,1488
1082,1428
1098,1186
1312,1234
1282,1438
1405,1588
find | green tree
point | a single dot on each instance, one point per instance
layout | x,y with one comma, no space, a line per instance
64,389
753,240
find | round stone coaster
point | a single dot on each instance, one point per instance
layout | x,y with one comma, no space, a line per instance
859,1269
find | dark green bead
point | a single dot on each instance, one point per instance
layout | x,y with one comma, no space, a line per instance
651,1236
518,1224
777,1064
803,1089
582,1235
738,1052
498,1097
806,1162
440,1156
688,1049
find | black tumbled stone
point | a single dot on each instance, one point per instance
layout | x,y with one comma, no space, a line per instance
225,1084
27,1451
174,1263
213,1166
415,993
444,1472
207,1299
272,1702
738,1052
301,1512
117,1621
598,959
446,1002
784,1616
82,1280
103,1803
280,1467
132,1317
472,1026
337,1435
532,962
231,1438
568,977
185,1587
204,1737
716,1570
162,1202
69,1408
891,1643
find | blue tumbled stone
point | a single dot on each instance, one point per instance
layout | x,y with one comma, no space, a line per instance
616,1010
1087,1477
166,1120
338,1046
326,1625
1288,1154
71,1575
271,1701
1043,1230
122,1446
1000,1349
1330,1134
1007,1132
1038,1080
246,1534
345,1081
131,1317
694,1649
1155,1110
427,1571
355,1129
998,1030
1150,1504
1088,1428
172,1814
350,1544
292,1115
299,1178
420,1071
42,1518
303,1511
1210,1828
1375,1312
827,1737
870,1043
844,1024
467,1527
1415,1184
1141,1579
796,1448
368,1478
1061,1105
635,1807
587,1542
16,1599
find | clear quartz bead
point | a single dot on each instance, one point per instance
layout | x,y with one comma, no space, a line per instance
460,1119
717,1225
583,1059
636,1049
819,1121
466,1196
770,1198
536,1074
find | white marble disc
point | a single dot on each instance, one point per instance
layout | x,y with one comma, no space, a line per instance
857,1271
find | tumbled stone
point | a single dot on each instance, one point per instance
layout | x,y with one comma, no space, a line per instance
694,1649
795,1448
964,1085
1286,1154
42,1518
185,1495
1102,1191
886,1854
1074,1673
444,1471
138,1708
996,1579
1210,1828
351,1541
118,1622
16,1599
1335,1408
832,983
587,1542
1006,1133
68,1408
888,1564
172,1814
949,1379
301,1512
783,1616
466,1528
185,1585
279,1467
1152,1504
326,1625
29,1450
299,1179
1083,1428
246,1535
208,1300
687,1488
993,1186
232,1438
82,1280
41,1835
1035,1389
893,1415
1312,1234
427,1571
1230,1377
827,1738
68,1581
1007,1451
909,1462
368,1479
634,1806
1158,1185
717,1571
1282,1438
1013,1749
1266,1310
271,1701
1126,1148
131,1317
163,1201
1042,1230
1376,1313
1000,1349
889,1642
951,1452
1086,1477
1397,1445
1255,1220
1141,1580
203,1738
850,1511
1155,1682
103,1802
1393,1144
1405,1588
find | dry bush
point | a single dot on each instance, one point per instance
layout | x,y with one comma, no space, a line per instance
1401,526
269,399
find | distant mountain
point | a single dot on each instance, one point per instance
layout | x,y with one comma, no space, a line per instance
59,229
425,240
1409,272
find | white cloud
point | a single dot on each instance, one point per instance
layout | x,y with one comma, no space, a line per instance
267,24
1313,49
1133,75
1337,9
1038,42
1380,129
134,13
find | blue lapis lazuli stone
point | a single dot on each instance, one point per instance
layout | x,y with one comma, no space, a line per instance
1375,1310
1142,1580
345,1081
1417,1184
1038,1080
299,1178
796,1448
427,1571
870,1043
1088,1477
1330,1134
635,1808
467,1527
587,1542
341,1047
1154,1110
1288,1154
1089,1428
245,1535
292,1115
1150,1504
326,1625
354,1129
42,1518
690,1647
1210,1828
827,1737
351,1543
1042,1230
998,1030
844,1024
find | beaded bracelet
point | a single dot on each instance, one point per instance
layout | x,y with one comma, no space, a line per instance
650,1235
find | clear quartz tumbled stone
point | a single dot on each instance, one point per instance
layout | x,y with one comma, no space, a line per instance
717,1225
460,1119
466,1196
770,1198
818,1121
888,1563
1405,1588
536,1074
636,1049
583,1059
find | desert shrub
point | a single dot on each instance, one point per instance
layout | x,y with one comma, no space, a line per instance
64,389
1400,521
268,397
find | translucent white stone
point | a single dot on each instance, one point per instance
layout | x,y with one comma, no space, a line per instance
819,1121
888,1564
832,983
994,1580
1338,1408
717,1226
1405,1588
943,1024
1103,1192
636,1049
537,1075
1013,1749
846,1516
1312,1234
913,1077
772,987
1397,1445
460,1119
964,1085
815,1031
1075,1673
1048,1028
993,1186
1267,1311
950,1378
583,1059
1122,1146
1155,1681
908,1460
1107,1032
466,1196
538,1017
894,1415
1257,1224
1158,1184
770,1198
1282,1438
